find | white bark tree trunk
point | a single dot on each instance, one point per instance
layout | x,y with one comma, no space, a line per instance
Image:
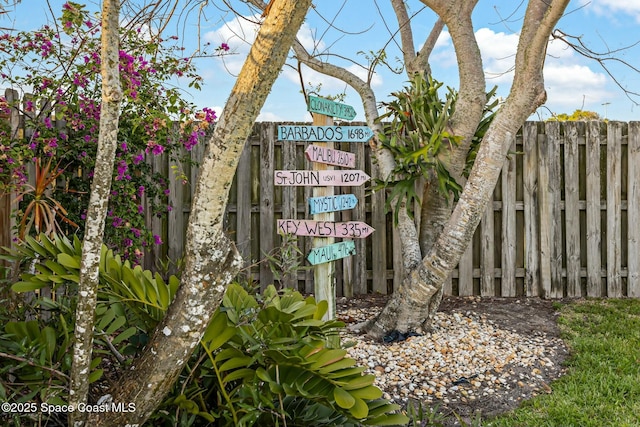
97,209
211,259
410,306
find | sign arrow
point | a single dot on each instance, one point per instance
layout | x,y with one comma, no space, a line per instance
306,178
305,227
331,108
340,202
333,252
330,156
309,133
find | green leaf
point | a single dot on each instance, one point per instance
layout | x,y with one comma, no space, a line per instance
344,399
234,363
69,261
359,409
95,375
388,420
27,286
371,392
125,335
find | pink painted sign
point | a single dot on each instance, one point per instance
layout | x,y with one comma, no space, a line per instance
302,227
352,178
330,156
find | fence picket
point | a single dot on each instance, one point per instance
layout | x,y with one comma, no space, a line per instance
614,202
572,209
633,211
594,285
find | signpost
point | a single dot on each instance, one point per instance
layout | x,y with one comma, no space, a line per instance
330,108
302,227
325,254
324,202
305,178
330,156
340,202
324,133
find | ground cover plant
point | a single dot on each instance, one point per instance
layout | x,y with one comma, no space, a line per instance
601,386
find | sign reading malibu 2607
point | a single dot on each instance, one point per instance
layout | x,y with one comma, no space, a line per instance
324,178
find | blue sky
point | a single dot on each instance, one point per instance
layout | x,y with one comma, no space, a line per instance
572,81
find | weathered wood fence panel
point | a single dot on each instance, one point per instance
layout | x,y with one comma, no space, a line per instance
564,220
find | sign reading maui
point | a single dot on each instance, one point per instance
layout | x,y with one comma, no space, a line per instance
330,108
351,178
302,227
333,252
324,133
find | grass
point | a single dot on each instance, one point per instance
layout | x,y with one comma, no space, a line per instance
602,383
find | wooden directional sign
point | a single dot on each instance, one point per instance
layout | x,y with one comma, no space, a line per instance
351,178
330,108
324,133
341,202
330,156
302,227
333,252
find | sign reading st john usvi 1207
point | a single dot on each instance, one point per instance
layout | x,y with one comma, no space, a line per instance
304,227
324,133
333,252
330,108
352,178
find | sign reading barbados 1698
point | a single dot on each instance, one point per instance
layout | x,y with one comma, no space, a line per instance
324,133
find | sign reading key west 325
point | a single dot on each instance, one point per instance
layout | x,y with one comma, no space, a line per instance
330,108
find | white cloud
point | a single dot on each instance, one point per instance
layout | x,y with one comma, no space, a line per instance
572,85
609,7
268,116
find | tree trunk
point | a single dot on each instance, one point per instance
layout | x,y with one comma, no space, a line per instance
413,304
211,259
97,209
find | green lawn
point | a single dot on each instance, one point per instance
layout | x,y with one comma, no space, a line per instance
602,384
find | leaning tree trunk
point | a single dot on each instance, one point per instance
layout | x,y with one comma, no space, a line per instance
408,307
211,259
97,209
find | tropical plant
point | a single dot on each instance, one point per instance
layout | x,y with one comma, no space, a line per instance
415,131
274,365
263,360
41,210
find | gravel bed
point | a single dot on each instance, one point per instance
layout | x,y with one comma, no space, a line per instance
465,359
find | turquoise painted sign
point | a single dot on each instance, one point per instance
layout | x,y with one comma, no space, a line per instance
309,133
329,253
324,204
331,108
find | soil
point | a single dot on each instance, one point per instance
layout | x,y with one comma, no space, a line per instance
522,315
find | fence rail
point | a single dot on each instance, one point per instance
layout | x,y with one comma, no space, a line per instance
564,220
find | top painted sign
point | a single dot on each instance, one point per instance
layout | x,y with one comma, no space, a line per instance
330,108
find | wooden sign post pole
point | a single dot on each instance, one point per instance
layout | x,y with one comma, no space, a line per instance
324,274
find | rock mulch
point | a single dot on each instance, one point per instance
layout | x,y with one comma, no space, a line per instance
467,363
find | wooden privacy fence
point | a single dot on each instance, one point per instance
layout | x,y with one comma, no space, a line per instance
564,220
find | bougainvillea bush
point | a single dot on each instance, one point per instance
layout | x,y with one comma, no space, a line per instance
56,73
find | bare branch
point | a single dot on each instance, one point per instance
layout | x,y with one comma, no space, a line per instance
602,58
